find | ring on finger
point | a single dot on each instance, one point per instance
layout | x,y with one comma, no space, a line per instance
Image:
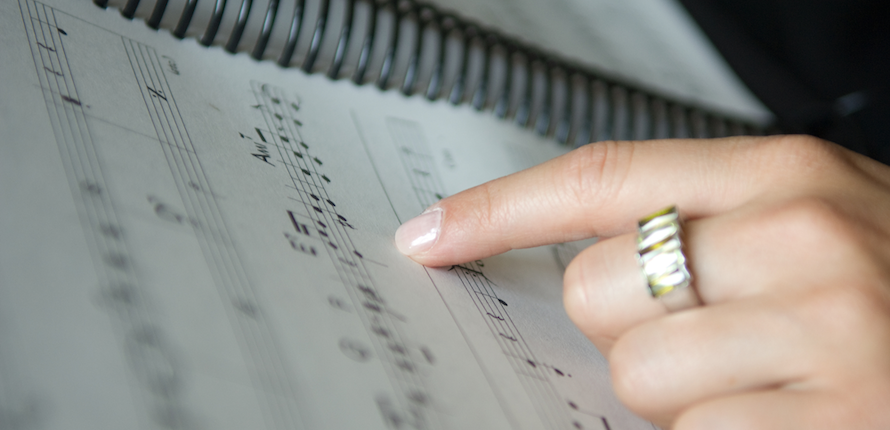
662,261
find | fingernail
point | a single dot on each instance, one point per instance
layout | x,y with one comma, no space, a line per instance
419,234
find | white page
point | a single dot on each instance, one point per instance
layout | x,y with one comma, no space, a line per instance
163,263
654,44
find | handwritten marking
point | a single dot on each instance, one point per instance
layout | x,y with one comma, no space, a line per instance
156,93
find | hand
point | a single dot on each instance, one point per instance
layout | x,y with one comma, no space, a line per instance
788,240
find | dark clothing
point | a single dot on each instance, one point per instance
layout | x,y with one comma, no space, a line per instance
822,66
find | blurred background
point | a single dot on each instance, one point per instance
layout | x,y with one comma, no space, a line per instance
822,66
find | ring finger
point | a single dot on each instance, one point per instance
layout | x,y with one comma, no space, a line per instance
606,294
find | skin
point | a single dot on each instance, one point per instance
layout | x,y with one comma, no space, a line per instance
788,241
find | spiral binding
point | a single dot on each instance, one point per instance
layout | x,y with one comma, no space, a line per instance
417,49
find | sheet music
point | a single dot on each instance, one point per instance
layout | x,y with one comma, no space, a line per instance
653,43
194,240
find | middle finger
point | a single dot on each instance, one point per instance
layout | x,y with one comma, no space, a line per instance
663,366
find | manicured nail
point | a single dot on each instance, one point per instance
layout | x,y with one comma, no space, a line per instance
419,234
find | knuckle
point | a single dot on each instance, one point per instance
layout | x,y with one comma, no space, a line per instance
793,157
801,151
841,310
485,213
814,223
595,171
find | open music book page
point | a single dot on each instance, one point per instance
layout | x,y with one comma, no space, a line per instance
194,240
579,71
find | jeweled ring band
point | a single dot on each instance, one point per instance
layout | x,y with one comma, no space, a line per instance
661,258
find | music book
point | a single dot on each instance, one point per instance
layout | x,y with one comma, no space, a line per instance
198,206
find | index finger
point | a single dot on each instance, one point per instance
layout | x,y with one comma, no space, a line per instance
597,190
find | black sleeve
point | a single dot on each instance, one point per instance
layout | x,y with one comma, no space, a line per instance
822,66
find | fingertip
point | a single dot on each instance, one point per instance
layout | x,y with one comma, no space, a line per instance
575,297
420,234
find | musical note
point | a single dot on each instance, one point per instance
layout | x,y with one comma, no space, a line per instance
354,350
301,228
247,308
260,133
53,72
373,307
299,246
110,231
91,188
398,349
337,303
405,365
369,293
510,338
117,260
165,212
347,262
428,355
380,331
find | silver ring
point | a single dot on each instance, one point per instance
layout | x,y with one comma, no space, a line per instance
661,258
